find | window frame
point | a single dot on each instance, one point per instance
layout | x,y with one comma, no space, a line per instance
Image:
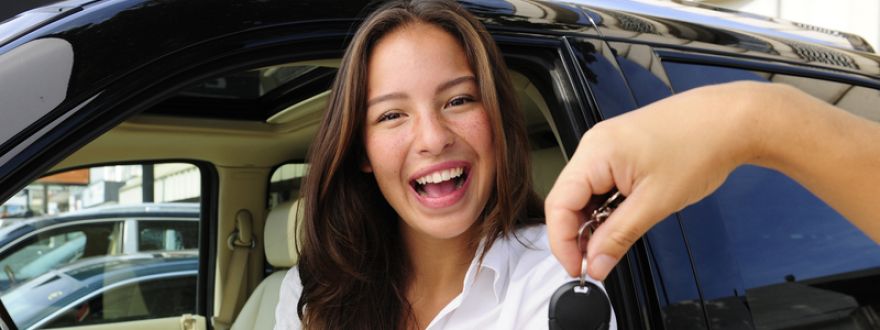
209,198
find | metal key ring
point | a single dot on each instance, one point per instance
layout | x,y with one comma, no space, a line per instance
583,248
599,215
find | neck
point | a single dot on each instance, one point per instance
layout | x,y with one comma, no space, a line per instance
439,260
437,270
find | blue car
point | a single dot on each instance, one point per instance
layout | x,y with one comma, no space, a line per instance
107,289
34,246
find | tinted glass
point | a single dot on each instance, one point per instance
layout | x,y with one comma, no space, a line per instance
672,275
766,246
256,94
164,235
605,82
250,84
147,299
45,251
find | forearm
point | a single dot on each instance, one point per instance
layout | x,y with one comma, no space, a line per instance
834,154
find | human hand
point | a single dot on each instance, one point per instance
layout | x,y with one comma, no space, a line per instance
663,157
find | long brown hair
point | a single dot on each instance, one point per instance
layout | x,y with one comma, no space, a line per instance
353,266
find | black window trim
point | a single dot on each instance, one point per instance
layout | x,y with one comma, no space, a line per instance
521,50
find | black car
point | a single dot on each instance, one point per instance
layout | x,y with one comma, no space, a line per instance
237,88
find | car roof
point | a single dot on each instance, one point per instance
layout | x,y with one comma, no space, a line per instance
158,209
145,210
106,21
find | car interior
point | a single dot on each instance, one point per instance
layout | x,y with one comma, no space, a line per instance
247,135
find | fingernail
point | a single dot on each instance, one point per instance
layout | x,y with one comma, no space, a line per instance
601,266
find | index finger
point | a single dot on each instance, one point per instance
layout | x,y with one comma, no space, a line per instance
563,209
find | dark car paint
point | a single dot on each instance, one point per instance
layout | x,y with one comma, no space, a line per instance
139,41
144,59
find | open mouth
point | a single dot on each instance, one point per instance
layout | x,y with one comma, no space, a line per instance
440,183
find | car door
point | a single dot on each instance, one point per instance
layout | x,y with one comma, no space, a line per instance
764,252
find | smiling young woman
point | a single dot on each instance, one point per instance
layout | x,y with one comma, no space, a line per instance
419,210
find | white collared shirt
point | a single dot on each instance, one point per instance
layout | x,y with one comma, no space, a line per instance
511,290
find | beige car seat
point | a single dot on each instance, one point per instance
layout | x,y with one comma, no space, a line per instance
259,310
546,165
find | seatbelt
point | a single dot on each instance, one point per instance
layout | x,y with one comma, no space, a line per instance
187,322
241,241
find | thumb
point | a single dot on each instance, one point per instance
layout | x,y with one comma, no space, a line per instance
615,236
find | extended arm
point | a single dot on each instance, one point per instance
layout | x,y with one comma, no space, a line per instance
674,152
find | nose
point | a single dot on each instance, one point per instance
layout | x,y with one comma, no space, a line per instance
433,135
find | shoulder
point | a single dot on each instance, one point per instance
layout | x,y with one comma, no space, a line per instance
530,255
291,282
527,279
285,311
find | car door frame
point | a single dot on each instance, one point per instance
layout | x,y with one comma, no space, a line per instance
772,66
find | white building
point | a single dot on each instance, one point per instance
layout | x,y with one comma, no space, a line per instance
860,17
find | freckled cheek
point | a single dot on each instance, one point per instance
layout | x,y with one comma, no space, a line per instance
386,152
477,130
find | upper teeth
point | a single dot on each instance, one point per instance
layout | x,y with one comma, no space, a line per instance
441,176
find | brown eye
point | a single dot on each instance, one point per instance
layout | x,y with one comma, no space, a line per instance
388,116
459,100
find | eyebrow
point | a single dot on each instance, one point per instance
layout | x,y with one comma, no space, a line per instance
385,97
442,87
456,81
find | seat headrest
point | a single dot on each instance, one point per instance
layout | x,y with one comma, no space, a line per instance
280,232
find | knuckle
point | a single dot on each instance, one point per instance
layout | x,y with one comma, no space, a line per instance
623,238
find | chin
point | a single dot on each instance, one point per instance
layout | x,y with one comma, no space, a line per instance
442,228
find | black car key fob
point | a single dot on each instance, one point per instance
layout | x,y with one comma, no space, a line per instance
575,306
580,304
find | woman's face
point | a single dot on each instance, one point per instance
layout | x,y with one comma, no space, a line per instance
427,135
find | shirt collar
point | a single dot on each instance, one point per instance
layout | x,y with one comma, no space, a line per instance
496,263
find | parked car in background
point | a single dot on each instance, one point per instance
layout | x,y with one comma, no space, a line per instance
237,88
107,289
32,247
